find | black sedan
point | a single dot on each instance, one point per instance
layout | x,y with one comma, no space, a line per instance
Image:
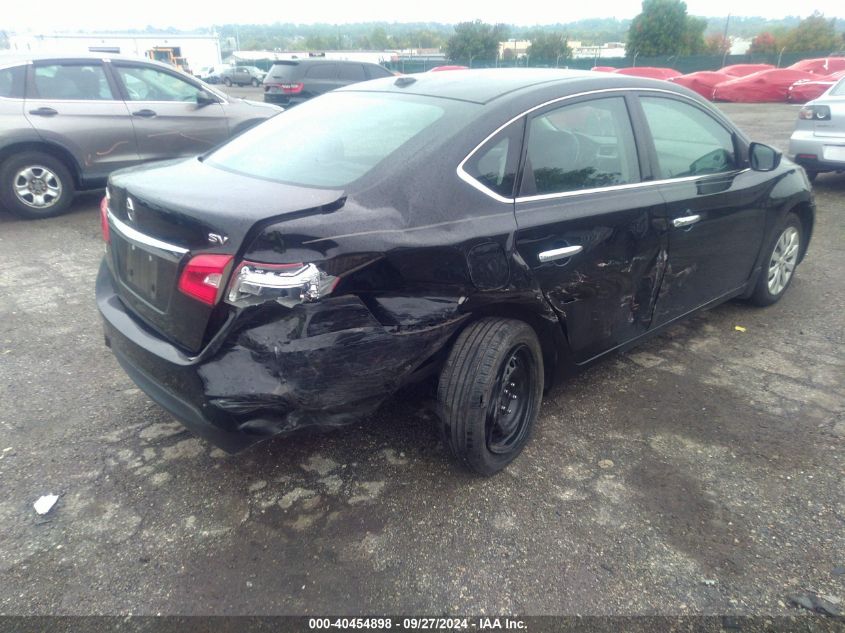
491,231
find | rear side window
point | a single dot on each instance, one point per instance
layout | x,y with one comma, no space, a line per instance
375,71
580,146
688,141
351,72
494,165
330,141
11,82
322,71
85,82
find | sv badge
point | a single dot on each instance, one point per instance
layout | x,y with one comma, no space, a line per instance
214,238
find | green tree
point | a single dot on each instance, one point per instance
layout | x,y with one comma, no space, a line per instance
813,33
549,46
664,28
475,41
765,43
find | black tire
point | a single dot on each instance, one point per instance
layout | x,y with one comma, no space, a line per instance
812,175
492,361
764,294
227,82
256,83
49,171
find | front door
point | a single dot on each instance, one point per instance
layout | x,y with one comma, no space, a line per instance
74,105
167,119
714,207
592,232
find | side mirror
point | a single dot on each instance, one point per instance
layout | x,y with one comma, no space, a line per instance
205,98
763,157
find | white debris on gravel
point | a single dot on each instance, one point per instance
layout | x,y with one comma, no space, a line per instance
45,503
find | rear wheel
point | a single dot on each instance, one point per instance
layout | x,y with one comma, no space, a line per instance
256,83
779,267
490,392
35,185
812,175
227,82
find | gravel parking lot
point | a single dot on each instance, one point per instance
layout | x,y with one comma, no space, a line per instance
700,473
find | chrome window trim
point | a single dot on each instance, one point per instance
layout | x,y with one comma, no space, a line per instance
142,239
467,178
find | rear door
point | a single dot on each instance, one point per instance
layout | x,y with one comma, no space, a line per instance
715,206
76,105
166,117
588,226
350,73
320,78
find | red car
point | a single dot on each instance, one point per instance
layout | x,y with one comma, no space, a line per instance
437,69
820,65
652,72
741,70
760,87
805,90
702,82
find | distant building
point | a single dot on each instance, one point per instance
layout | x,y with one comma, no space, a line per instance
197,50
601,51
513,49
375,57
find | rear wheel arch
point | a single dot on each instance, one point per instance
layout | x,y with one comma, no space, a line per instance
56,151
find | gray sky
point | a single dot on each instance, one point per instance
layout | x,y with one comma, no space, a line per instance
53,15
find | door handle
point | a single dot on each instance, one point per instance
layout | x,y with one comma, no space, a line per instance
146,113
559,253
44,112
687,220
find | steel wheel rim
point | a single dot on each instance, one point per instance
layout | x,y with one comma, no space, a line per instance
511,406
783,260
37,187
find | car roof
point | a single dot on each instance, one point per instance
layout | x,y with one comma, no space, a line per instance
485,85
14,59
318,60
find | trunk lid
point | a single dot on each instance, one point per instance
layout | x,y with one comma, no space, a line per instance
164,214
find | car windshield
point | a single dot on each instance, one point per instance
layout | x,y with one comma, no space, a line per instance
335,139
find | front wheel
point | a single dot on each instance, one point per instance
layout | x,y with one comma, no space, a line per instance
779,267
490,392
227,82
35,185
256,83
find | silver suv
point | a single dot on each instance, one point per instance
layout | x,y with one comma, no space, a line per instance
67,122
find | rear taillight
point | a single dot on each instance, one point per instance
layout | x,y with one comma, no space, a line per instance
288,88
287,284
104,216
204,276
814,113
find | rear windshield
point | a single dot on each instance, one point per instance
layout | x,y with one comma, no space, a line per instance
282,71
839,89
335,139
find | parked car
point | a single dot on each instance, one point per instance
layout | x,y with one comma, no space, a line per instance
67,122
703,82
763,86
649,71
805,90
293,81
492,234
818,141
211,74
242,76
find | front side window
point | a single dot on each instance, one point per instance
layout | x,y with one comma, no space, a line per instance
85,82
334,139
150,84
688,141
580,146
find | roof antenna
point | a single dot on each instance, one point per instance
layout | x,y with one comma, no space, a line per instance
404,81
